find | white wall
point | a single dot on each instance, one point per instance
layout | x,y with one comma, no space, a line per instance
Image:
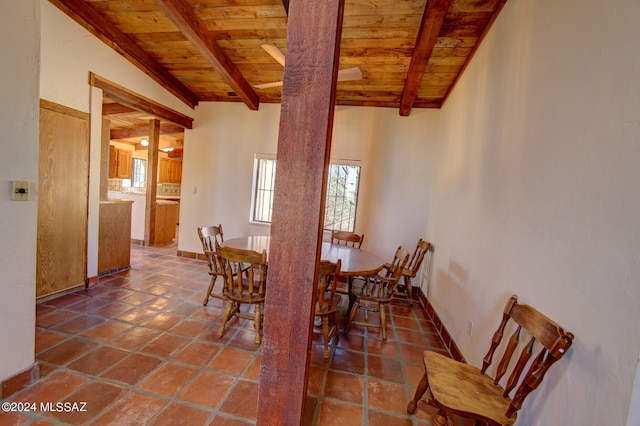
536,193
19,65
218,167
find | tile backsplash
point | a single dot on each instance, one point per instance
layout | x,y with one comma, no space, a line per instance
163,189
168,189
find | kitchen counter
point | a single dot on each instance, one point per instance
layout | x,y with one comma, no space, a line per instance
114,235
166,221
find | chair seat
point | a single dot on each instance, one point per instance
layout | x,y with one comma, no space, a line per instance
237,296
406,272
462,388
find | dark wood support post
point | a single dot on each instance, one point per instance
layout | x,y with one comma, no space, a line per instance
152,183
304,144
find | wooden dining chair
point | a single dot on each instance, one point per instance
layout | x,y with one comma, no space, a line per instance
377,292
246,287
211,237
327,301
423,249
460,389
350,239
347,238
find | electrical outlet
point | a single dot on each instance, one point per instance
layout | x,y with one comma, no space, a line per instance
471,327
20,191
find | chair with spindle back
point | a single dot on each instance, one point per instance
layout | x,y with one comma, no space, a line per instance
466,391
350,239
423,249
376,293
346,238
211,237
248,286
327,301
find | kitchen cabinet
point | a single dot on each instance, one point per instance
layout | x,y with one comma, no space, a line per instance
176,171
169,171
120,163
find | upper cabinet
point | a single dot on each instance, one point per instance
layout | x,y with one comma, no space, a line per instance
169,170
119,163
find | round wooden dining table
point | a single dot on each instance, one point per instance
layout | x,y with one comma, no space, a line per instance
355,261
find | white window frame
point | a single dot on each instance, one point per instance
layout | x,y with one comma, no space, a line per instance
256,187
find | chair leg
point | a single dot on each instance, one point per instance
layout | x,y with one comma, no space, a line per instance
383,319
232,308
352,314
423,386
206,298
440,419
258,323
409,290
325,335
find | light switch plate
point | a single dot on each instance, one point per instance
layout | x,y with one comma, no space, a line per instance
21,190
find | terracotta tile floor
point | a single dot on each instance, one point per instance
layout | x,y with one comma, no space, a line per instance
139,348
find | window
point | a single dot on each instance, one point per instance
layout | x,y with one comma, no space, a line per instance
138,174
342,193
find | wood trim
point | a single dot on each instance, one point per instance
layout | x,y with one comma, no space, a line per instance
140,131
191,255
450,344
104,159
181,14
85,15
432,21
20,380
152,188
52,106
139,102
116,109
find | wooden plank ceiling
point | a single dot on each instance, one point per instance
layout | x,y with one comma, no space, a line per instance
410,52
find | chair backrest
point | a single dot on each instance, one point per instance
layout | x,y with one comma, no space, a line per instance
387,285
347,238
327,279
249,285
211,237
422,248
554,342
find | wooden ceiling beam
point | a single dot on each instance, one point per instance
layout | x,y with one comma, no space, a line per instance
85,15
182,15
143,130
139,103
432,21
115,109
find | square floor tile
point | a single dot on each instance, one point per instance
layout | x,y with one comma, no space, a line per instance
168,379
